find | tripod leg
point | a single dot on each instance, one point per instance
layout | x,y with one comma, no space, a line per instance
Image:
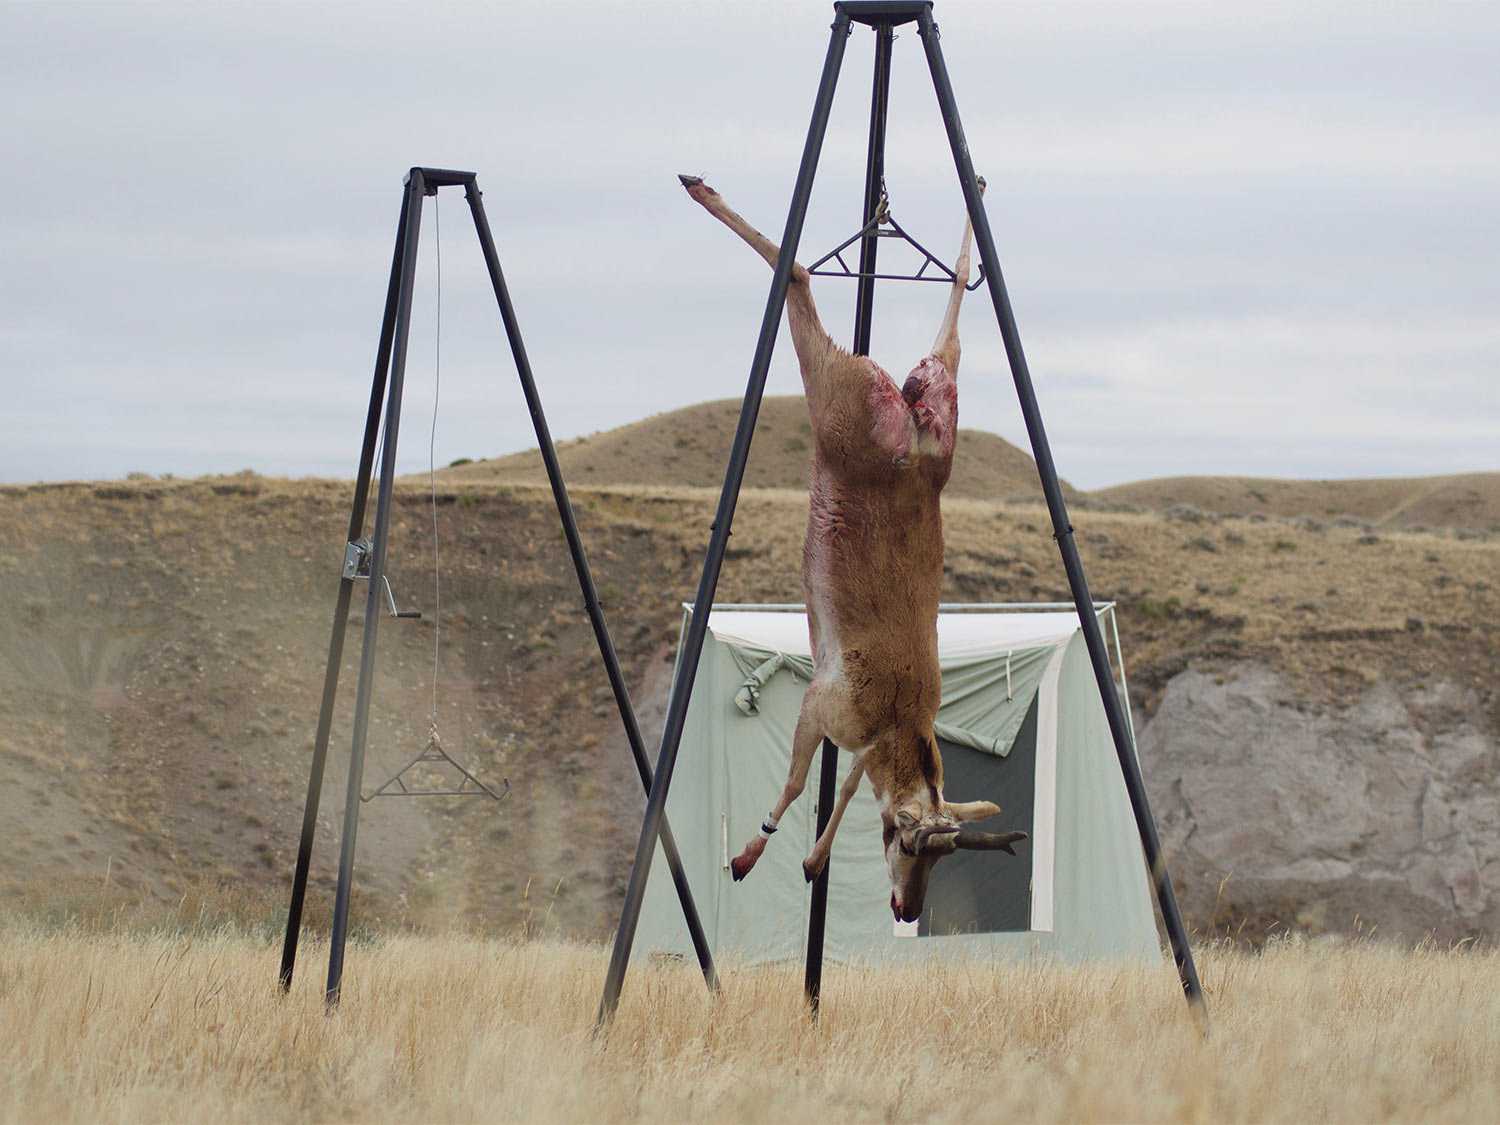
586,579
341,617
864,312
739,453
414,193
1062,530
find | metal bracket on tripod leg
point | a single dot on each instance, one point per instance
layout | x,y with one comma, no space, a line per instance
357,565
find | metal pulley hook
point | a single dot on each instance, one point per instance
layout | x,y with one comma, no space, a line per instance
883,208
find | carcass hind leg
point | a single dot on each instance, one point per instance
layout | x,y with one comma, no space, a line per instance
812,342
813,865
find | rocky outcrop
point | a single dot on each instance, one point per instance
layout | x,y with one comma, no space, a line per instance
1383,816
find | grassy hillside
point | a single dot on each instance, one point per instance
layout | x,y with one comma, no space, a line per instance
1470,501
691,447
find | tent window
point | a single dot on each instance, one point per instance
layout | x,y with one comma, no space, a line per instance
987,892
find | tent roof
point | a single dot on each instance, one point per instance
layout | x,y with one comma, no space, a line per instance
973,631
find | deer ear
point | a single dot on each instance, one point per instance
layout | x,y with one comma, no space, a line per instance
971,810
908,816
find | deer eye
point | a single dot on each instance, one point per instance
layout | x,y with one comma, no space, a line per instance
906,850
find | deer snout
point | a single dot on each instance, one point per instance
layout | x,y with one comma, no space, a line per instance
899,909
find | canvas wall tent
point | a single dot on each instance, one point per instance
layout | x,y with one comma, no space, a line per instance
1021,724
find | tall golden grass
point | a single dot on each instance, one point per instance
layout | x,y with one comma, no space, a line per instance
157,1027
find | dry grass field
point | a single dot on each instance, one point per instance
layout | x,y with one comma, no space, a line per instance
169,1026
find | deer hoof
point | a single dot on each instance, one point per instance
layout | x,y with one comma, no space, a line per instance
811,870
689,181
739,867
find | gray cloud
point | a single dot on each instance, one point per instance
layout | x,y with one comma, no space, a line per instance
1257,239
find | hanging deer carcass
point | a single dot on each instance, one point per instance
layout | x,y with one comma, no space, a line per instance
872,567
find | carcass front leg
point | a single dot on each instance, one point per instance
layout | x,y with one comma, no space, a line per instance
946,348
805,742
813,865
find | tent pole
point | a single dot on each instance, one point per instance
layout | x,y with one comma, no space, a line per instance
1062,529
692,647
864,305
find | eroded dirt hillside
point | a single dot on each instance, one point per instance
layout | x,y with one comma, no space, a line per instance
161,666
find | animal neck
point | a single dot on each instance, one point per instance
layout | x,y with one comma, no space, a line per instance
906,770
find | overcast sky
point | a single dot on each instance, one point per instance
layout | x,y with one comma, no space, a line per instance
1252,238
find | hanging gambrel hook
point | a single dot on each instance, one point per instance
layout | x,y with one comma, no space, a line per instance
468,786
876,227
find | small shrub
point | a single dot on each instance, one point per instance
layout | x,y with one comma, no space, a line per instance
1152,609
1183,513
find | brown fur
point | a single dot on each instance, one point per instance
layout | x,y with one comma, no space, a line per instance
872,572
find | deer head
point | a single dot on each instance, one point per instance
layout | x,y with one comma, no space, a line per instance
916,837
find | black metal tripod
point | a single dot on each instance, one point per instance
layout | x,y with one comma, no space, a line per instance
883,16
366,560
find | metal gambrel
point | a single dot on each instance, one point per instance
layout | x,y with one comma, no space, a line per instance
468,784
884,225
365,560
884,16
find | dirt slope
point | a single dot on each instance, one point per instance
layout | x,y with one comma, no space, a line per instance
162,660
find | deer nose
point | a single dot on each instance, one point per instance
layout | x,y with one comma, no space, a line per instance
898,908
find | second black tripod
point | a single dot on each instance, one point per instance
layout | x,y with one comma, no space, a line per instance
364,559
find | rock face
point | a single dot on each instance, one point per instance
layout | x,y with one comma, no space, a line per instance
1384,816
